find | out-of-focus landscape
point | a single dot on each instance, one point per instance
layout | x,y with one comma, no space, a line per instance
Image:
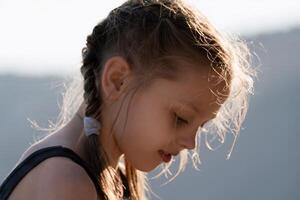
265,161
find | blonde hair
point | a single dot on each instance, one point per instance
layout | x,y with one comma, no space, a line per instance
150,35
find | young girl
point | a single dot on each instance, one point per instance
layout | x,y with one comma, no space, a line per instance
156,75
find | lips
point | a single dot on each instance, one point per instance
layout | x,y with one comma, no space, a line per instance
166,157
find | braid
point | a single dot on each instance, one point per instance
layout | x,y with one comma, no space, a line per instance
97,157
91,94
92,54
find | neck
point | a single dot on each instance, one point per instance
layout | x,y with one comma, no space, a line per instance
106,138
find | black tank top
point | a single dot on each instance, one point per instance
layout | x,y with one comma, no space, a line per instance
15,176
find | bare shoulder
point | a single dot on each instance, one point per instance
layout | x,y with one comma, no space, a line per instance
56,178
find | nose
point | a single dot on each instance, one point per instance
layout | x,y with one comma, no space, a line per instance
188,142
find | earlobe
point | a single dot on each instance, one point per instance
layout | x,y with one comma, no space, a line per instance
114,76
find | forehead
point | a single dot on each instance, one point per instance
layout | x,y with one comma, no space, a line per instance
199,87
202,79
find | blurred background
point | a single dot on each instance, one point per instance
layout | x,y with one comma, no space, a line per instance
40,45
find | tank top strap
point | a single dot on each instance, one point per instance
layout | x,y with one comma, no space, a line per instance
15,176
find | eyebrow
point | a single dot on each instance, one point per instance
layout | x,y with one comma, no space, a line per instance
191,105
195,108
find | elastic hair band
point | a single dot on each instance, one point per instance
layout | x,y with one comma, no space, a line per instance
91,126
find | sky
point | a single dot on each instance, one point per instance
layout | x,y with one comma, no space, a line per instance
40,37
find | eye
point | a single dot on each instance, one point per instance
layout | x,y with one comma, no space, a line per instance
180,121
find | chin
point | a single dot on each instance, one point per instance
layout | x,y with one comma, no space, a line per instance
144,167
143,163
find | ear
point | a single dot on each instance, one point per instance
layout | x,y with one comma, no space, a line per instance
114,77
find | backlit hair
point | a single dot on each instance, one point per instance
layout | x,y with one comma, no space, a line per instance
152,35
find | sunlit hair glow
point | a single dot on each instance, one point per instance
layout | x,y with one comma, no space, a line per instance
152,35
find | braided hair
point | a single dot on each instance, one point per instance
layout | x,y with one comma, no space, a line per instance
151,35
108,179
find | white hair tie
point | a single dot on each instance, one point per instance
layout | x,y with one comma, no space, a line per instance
91,126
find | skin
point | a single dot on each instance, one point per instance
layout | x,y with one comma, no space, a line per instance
142,122
146,122
138,125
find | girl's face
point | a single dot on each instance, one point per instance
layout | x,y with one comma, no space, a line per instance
151,119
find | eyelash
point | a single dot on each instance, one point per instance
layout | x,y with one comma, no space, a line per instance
183,122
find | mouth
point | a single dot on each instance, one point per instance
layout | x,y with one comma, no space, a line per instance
166,157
